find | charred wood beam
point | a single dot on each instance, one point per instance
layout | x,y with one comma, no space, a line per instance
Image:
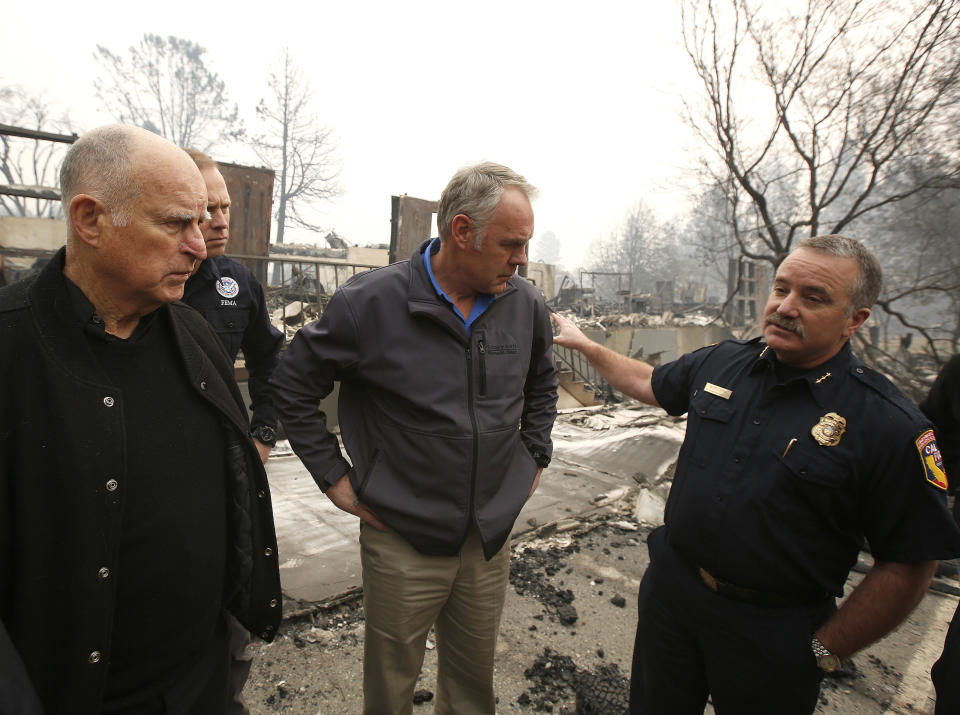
49,194
13,131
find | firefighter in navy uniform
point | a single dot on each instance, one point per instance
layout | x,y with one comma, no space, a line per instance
231,299
794,453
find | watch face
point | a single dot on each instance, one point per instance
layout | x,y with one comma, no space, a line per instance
828,663
265,434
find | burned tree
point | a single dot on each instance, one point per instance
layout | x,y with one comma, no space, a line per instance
814,115
296,146
164,85
641,247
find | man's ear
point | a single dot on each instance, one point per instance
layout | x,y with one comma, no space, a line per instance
858,318
462,230
86,216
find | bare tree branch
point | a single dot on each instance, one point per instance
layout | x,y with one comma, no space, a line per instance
164,85
295,144
827,118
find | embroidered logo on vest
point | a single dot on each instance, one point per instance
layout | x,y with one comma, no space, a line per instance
227,287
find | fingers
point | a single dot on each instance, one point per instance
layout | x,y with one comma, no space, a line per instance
369,517
568,333
342,495
345,498
262,449
536,483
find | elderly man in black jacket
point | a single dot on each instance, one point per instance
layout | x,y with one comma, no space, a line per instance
448,396
134,509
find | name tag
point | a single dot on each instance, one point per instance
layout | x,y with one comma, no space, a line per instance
718,391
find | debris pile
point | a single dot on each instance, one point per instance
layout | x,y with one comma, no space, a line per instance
529,570
311,250
603,691
698,317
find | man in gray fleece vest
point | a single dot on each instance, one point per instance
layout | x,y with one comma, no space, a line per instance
448,395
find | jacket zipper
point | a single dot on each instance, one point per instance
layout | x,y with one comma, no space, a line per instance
482,350
471,408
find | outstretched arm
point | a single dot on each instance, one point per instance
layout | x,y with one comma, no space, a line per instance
631,377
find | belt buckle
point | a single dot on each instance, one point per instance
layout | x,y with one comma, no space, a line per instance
708,579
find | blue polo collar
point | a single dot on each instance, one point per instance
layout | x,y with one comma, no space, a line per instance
480,305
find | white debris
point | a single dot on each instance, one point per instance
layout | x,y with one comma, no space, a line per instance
649,508
610,497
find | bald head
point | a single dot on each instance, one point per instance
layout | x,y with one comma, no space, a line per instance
135,204
104,163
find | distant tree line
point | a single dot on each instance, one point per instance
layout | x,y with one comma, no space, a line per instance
165,85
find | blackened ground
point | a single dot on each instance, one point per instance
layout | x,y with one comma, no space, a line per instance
566,638
571,591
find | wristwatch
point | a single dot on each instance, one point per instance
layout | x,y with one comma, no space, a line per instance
267,435
826,661
541,458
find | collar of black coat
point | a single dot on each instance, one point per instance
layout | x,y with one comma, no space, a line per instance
422,299
818,379
62,330
93,324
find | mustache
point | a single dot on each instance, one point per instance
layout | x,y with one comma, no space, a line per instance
791,324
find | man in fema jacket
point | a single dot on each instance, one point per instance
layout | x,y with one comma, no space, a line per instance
447,399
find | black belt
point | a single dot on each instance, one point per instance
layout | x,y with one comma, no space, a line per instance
751,595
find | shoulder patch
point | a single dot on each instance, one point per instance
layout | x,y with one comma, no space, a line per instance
932,460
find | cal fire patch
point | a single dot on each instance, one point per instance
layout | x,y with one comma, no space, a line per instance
932,459
227,287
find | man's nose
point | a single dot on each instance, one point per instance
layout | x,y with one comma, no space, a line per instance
788,306
519,257
193,242
217,218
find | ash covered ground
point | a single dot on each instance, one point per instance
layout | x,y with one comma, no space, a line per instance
566,638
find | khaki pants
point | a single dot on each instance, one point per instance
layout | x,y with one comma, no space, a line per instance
404,593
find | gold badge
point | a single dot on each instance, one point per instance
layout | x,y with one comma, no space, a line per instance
829,429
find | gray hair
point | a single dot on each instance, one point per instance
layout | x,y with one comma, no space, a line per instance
475,191
869,282
100,163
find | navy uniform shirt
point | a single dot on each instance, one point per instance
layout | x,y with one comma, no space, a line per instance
783,472
231,299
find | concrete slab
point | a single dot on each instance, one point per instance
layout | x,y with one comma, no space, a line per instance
319,551
637,450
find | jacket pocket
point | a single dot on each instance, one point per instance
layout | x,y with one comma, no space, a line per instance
811,485
811,465
707,422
